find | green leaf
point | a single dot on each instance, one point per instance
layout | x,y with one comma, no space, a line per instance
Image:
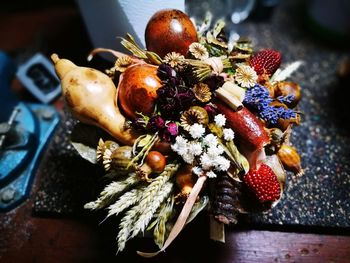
144,141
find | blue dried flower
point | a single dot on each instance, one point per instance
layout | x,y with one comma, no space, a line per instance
258,99
286,100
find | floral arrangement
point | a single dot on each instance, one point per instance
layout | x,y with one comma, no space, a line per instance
196,123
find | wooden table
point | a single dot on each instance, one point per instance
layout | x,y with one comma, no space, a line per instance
27,238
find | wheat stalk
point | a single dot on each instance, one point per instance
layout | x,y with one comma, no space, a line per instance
112,191
126,200
125,228
149,207
130,217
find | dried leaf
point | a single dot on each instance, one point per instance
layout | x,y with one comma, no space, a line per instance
217,230
216,130
219,26
277,167
84,139
86,152
197,208
212,40
281,75
205,24
274,163
144,141
164,215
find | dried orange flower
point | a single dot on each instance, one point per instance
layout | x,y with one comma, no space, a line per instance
202,92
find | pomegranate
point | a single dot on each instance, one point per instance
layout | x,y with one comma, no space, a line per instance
170,30
137,90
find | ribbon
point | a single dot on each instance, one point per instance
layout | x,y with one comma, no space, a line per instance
181,220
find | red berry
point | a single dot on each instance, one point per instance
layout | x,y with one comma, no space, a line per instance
266,61
263,183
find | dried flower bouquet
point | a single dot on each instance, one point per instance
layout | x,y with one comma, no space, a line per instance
196,123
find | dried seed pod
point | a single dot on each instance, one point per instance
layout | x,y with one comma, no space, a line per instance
277,138
226,202
283,124
119,160
193,115
103,146
285,88
185,181
154,163
202,92
290,159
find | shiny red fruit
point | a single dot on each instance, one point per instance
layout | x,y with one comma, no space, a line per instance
137,90
170,30
246,125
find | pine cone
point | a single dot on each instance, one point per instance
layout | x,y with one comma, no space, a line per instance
226,199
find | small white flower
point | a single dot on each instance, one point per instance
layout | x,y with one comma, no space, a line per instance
228,134
220,120
197,170
215,151
181,141
180,146
210,140
222,164
211,174
206,161
197,131
195,148
188,158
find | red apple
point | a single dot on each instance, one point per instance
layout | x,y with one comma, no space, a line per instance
137,90
170,30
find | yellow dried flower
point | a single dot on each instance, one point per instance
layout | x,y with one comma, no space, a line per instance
202,92
198,51
193,115
122,63
173,59
246,76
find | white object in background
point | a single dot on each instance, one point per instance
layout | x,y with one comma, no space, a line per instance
39,77
106,20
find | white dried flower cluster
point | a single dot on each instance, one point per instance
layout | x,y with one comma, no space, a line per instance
187,150
197,131
229,135
220,120
205,151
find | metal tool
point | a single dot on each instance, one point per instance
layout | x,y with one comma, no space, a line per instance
25,129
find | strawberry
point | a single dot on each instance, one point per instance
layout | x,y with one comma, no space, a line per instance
263,183
266,61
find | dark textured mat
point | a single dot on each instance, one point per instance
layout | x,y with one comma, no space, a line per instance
320,198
